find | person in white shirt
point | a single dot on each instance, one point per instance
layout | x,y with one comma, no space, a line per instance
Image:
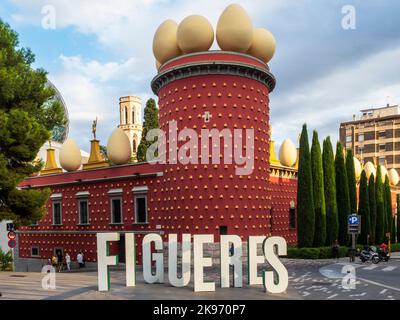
79,258
68,261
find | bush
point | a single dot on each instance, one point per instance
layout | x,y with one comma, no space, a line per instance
395,247
5,260
315,253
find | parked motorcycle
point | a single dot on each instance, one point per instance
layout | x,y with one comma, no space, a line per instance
370,255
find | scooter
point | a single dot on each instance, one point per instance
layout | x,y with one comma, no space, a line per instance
383,256
369,255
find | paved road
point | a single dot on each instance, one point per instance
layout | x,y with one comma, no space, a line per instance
307,280
376,282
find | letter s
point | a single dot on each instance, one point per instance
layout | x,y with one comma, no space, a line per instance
280,270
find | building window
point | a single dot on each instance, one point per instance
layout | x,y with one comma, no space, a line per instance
292,215
35,251
126,116
57,214
361,137
141,209
349,139
140,196
382,161
133,116
83,212
382,147
116,211
382,134
292,218
223,230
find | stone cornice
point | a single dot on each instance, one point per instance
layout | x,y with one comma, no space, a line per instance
213,68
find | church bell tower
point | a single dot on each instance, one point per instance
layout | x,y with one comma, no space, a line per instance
130,110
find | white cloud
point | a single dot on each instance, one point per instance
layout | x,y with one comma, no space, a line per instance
90,90
334,98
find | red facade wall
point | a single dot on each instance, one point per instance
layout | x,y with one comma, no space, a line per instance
190,198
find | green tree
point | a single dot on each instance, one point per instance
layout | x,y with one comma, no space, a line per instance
28,113
393,232
398,218
332,222
372,208
380,208
305,201
342,194
150,122
6,260
351,179
388,206
318,192
363,209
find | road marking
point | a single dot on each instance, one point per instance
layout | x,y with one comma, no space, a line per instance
371,267
332,296
383,291
379,284
390,268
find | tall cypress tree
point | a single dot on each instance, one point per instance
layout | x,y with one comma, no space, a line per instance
380,208
150,122
398,218
372,208
351,179
318,194
342,194
388,207
305,200
363,209
332,222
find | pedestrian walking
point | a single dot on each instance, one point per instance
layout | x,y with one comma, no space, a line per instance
68,261
60,261
335,250
79,258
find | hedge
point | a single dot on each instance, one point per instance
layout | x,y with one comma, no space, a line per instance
325,252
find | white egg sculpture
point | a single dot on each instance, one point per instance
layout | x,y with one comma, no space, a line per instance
118,147
195,33
70,156
369,169
263,45
165,45
357,168
384,173
393,177
234,29
287,153
158,65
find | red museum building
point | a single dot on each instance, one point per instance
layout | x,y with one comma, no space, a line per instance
233,90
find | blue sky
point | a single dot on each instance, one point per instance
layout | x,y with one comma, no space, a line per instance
101,50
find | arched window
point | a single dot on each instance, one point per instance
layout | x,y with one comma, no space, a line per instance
126,115
133,116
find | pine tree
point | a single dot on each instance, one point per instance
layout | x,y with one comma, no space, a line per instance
332,222
372,208
305,201
28,113
150,122
388,207
342,194
363,209
351,179
380,208
318,192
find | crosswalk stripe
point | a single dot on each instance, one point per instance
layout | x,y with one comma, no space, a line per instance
389,268
371,267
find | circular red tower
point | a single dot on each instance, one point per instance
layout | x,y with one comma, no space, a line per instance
215,90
